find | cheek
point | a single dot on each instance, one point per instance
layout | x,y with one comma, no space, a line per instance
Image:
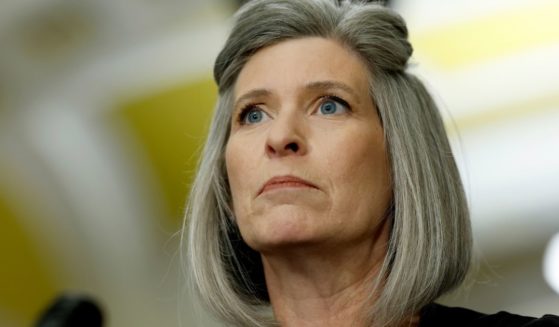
233,164
241,171
240,175
359,167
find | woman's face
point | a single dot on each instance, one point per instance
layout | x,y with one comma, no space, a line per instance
306,159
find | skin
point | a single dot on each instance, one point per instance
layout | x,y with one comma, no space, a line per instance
321,244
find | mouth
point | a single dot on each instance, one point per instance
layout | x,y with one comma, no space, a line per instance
286,181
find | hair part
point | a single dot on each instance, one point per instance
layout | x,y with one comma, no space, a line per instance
429,251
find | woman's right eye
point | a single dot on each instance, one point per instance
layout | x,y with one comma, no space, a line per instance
252,115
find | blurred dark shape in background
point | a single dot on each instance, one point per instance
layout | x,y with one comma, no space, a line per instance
72,311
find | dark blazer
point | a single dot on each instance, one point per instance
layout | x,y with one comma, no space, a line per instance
439,315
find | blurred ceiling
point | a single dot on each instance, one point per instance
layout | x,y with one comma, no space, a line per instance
43,42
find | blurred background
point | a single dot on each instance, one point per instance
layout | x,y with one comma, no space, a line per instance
104,105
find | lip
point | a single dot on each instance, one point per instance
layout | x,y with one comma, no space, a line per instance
286,181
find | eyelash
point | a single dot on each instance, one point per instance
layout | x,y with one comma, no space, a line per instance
244,112
337,99
250,106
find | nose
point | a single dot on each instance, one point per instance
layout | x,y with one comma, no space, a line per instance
286,137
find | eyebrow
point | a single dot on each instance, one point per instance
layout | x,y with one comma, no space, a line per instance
252,94
328,85
314,86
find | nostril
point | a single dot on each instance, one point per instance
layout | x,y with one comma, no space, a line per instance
292,146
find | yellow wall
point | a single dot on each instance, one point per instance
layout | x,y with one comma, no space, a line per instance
171,127
26,286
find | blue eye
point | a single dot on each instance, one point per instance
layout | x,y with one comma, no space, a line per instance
252,115
333,106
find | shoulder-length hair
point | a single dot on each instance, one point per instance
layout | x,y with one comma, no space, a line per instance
430,242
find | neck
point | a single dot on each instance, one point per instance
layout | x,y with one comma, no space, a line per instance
325,286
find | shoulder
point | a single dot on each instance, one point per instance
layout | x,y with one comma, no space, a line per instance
440,315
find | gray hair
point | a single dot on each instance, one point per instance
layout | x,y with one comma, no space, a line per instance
429,251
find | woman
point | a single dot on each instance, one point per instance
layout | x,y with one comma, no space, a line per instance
327,194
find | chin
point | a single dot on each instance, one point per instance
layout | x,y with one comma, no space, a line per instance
280,228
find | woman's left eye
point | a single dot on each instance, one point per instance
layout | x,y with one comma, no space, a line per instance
333,106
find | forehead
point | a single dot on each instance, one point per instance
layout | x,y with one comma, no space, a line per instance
291,64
